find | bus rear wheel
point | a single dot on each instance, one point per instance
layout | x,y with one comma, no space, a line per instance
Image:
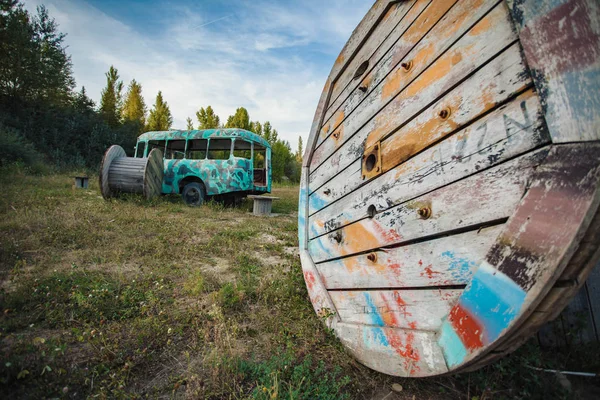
193,194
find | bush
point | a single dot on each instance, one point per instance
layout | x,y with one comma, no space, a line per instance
14,148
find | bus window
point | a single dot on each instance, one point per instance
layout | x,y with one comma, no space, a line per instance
139,152
219,149
196,149
156,144
242,149
260,154
175,149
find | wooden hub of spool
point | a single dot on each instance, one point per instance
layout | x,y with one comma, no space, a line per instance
122,174
482,220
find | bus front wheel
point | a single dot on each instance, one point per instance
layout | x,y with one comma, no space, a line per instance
193,194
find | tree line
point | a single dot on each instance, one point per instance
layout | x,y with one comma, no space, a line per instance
43,120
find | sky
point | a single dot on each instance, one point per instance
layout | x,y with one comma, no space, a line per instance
270,56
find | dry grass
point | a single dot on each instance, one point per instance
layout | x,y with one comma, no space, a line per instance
130,298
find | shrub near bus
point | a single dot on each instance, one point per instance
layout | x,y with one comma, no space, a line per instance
229,163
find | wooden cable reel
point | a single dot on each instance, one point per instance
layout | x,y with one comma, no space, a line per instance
122,174
450,186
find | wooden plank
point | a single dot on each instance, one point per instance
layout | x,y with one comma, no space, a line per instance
408,309
357,37
407,40
458,20
561,41
507,132
490,86
469,202
529,255
392,17
450,260
380,62
393,351
483,42
114,152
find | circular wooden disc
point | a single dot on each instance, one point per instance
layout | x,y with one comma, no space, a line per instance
153,174
113,152
448,203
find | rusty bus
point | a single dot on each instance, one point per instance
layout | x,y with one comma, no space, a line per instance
225,163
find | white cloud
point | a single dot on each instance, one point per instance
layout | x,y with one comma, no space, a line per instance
226,61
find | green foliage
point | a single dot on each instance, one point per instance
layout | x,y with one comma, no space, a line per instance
240,120
300,152
134,107
284,376
34,65
14,148
189,124
110,102
160,118
207,119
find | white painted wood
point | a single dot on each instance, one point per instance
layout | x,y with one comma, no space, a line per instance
377,36
492,85
458,20
507,132
486,39
408,309
450,260
488,196
393,351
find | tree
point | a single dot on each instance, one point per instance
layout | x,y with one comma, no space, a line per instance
207,119
160,118
269,133
256,128
134,107
34,65
110,102
240,120
299,153
190,124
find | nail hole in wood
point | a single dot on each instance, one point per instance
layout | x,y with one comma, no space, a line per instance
445,113
371,211
362,68
424,212
372,257
406,66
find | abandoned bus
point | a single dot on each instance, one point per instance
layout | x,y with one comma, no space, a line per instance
227,163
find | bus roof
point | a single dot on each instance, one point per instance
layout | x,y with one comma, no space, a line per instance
204,134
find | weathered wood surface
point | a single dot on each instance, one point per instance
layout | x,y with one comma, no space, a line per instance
508,132
410,309
491,86
113,152
561,41
450,243
468,204
484,41
445,261
122,174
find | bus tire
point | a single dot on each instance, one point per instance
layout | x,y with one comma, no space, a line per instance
193,194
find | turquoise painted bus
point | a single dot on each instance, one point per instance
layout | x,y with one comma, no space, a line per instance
227,164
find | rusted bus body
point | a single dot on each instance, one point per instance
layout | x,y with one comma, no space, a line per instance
225,162
450,191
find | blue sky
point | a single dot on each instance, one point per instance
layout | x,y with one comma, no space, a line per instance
269,56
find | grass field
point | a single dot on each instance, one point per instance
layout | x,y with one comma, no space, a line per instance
131,298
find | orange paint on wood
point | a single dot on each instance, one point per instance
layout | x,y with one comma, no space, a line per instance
466,327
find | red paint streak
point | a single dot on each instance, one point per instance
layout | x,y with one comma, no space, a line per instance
428,271
405,350
466,326
310,279
412,325
565,36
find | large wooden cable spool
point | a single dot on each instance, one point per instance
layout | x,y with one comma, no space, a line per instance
122,174
451,182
